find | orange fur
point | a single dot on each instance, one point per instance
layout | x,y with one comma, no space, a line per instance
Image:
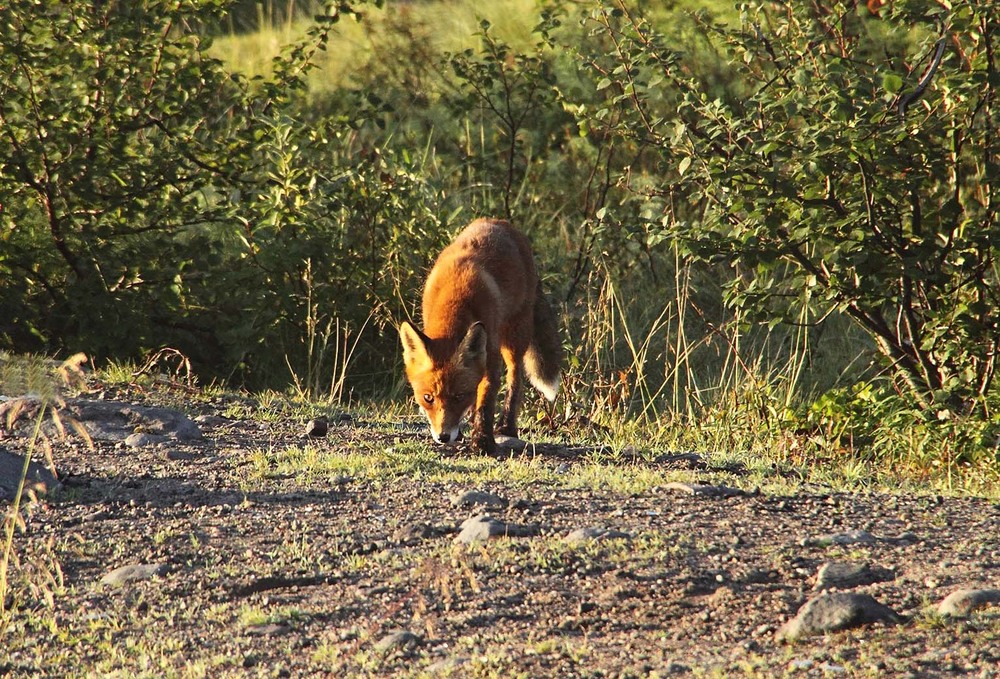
483,308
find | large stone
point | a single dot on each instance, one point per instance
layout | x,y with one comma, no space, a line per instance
477,497
268,629
836,611
133,573
510,444
111,421
38,480
400,641
416,531
448,666
482,528
961,603
845,575
595,533
317,427
141,439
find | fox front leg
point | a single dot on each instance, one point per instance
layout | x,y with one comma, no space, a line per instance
483,418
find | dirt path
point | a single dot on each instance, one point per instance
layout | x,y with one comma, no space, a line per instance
266,562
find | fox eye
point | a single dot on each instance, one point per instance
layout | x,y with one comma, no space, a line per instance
428,398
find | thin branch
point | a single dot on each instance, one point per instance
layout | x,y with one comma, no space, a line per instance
925,79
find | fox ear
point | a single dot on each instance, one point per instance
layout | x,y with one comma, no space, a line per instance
472,350
414,348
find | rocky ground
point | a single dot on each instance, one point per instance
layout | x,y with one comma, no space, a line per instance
194,543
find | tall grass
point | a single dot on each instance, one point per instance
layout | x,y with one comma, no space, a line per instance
442,26
330,346
666,359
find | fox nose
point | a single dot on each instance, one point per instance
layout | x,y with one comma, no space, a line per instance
445,437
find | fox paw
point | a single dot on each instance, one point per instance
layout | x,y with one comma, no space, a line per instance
485,445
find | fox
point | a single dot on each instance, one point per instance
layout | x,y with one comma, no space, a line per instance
483,308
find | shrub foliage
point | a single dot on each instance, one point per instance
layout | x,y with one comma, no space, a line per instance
150,197
850,165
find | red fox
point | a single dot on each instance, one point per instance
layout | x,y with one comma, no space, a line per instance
482,301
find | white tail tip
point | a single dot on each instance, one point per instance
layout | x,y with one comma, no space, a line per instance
547,389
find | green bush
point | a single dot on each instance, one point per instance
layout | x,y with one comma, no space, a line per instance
150,198
114,132
848,167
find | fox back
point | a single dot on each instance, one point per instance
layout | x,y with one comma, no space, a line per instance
482,308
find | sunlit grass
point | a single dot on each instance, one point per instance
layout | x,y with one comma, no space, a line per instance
745,438
445,26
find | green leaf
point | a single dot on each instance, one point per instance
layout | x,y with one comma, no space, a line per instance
892,83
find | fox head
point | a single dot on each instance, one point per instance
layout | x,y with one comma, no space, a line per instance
445,377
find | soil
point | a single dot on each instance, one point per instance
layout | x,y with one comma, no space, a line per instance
292,575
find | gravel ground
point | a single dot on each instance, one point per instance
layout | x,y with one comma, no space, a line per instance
244,568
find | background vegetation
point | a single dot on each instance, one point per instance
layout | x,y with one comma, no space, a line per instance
770,229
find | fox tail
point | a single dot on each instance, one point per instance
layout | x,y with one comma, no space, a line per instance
543,359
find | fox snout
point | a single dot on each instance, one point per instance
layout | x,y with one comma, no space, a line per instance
452,436
445,426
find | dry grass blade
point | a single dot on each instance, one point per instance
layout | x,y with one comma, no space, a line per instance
180,375
44,384
13,519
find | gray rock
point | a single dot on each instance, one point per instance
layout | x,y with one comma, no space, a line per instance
210,420
844,575
674,667
851,537
416,531
804,665
111,421
447,666
398,641
133,572
836,611
477,497
141,439
482,528
268,629
510,443
18,412
702,490
171,423
317,427
177,455
594,533
961,603
906,538
858,537
39,479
